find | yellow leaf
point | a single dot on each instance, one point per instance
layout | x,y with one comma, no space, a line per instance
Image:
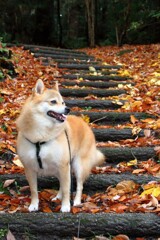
120,86
92,69
126,106
136,130
117,102
155,191
132,162
124,73
86,118
80,79
147,192
155,64
2,111
104,63
156,74
94,73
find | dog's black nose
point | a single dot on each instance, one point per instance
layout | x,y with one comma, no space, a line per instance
67,110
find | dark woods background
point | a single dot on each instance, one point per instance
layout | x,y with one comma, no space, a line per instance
80,23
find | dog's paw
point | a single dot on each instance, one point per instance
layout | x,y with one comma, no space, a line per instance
66,208
33,208
76,202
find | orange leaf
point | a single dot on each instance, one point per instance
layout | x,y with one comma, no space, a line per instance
137,171
121,237
133,119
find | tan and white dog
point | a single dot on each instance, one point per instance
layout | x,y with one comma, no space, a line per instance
43,147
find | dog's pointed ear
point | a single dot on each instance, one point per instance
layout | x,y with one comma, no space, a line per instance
39,87
56,86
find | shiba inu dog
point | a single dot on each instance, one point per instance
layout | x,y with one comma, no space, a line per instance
48,138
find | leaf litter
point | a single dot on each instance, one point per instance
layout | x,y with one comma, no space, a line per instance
126,196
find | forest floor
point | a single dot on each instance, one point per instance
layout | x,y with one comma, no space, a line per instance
138,63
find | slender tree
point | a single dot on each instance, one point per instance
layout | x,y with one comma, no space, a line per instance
121,31
90,9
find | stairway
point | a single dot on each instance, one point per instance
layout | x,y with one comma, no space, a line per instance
91,89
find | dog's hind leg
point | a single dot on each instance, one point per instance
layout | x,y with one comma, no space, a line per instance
64,191
32,180
81,170
77,199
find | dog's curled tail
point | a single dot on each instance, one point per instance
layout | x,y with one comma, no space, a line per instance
100,158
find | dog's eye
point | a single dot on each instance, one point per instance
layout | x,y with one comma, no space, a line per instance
53,101
63,103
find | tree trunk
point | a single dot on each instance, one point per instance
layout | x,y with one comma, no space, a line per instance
90,7
59,23
121,33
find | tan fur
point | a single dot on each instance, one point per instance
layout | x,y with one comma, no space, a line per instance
34,125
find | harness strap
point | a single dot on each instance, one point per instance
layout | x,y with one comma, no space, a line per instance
70,157
38,149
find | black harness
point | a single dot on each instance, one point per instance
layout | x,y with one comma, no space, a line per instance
38,149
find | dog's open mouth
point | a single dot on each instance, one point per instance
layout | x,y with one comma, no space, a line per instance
57,116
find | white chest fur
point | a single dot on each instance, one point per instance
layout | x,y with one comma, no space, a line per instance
51,153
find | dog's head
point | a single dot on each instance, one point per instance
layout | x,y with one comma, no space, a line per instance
50,102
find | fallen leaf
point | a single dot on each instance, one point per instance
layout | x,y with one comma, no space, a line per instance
92,69
147,132
18,162
120,237
137,171
76,238
132,162
8,182
133,119
136,130
101,238
10,236
154,191
86,118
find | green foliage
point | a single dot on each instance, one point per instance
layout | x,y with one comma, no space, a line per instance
2,189
1,75
3,232
64,23
1,99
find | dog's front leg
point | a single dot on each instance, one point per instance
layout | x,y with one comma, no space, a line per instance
32,180
65,182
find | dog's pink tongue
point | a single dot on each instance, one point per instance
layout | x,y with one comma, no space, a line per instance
58,116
